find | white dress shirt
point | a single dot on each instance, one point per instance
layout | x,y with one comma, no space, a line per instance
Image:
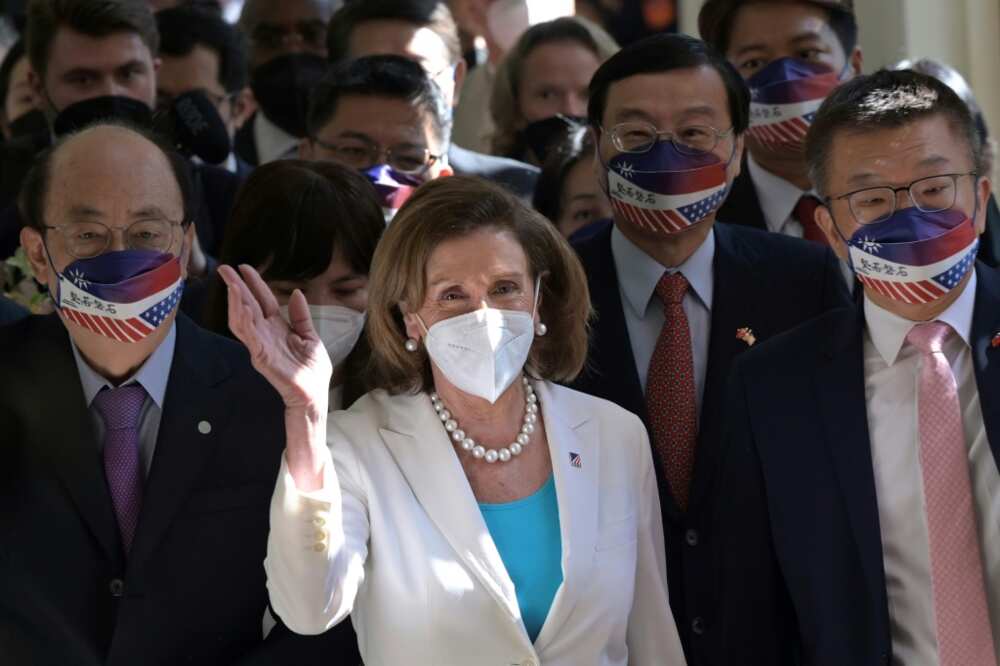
152,375
638,274
396,538
892,375
273,143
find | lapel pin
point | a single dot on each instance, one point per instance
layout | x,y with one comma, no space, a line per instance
204,427
995,342
746,335
575,461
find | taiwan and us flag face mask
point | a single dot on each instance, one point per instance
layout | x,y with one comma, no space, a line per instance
915,257
123,295
665,191
784,98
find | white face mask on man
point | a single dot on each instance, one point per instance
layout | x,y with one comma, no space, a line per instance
482,352
337,327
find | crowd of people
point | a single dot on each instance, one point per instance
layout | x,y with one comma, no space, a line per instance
326,340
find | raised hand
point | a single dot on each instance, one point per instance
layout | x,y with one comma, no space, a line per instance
290,356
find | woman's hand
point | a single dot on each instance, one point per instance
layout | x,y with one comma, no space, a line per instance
290,356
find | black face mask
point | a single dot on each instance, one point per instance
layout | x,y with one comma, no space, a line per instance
541,136
282,85
193,124
77,116
32,123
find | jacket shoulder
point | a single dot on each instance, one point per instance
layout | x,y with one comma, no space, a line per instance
796,350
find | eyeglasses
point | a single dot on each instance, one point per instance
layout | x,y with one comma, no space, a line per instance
876,204
86,240
640,137
360,154
275,37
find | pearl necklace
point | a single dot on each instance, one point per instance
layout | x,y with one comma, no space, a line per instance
504,453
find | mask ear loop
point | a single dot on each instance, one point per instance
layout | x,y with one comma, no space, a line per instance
52,265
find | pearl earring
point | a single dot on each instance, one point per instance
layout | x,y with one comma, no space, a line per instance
541,329
411,345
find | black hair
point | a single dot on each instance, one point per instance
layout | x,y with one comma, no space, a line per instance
10,61
665,53
576,146
183,28
432,14
885,100
384,76
34,189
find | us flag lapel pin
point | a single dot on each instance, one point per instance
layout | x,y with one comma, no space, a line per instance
995,342
746,335
574,460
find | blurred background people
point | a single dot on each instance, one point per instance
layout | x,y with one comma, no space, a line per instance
382,116
545,75
287,47
568,193
201,51
791,54
311,226
17,99
426,33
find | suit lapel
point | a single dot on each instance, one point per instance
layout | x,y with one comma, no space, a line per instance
840,394
734,306
182,449
742,206
986,358
73,450
578,494
426,457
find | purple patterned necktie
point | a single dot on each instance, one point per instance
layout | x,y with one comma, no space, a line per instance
120,408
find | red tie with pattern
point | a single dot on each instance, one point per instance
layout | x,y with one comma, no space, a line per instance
805,213
670,391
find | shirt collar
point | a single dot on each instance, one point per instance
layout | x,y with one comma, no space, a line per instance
888,330
639,273
272,142
776,195
152,374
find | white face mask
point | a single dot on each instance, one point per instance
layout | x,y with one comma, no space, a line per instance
482,352
337,327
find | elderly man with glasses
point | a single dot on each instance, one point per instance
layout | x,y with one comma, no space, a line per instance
861,484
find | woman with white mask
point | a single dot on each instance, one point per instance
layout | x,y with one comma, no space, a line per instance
309,226
468,510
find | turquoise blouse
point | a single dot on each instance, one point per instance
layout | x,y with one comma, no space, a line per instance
526,532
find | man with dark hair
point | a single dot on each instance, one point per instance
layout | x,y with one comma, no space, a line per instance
200,51
424,32
792,54
678,297
287,48
383,116
97,59
862,493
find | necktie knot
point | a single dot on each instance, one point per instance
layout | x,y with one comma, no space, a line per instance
120,407
671,288
929,337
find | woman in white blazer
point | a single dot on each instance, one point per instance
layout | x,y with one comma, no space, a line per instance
468,510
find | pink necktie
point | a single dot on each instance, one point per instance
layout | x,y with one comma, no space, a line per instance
964,635
670,391
121,408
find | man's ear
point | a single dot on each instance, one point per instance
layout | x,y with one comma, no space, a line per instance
736,166
38,91
306,149
825,221
244,105
984,188
857,61
460,71
34,247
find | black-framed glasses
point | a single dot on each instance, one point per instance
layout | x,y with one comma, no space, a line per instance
86,240
877,204
639,137
311,33
361,154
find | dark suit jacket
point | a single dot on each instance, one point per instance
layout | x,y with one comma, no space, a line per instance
518,177
742,207
244,145
801,566
767,282
192,591
10,311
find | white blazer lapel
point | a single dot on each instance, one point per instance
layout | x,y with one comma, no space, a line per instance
427,459
575,464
